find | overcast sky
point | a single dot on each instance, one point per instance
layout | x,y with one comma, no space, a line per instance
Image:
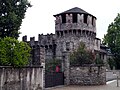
39,18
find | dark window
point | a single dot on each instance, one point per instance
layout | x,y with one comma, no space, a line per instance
92,20
61,33
85,18
65,32
58,34
67,46
83,32
74,32
64,18
100,56
79,32
87,32
46,47
50,46
74,18
70,32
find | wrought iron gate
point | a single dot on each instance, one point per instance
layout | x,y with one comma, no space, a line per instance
54,79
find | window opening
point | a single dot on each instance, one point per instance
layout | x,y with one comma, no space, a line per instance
64,18
85,18
74,18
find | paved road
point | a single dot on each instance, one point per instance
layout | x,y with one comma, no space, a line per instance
110,86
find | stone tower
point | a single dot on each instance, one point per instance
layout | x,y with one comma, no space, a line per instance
72,27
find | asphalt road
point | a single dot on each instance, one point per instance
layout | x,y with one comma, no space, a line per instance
111,85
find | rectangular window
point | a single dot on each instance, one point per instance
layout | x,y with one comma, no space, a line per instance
64,18
61,33
74,16
67,46
92,20
85,18
57,33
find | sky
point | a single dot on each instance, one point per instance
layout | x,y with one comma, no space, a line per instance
39,18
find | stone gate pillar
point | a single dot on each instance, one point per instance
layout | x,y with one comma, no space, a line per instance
66,67
42,61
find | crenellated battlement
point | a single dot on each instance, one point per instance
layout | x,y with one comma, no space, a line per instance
75,21
43,40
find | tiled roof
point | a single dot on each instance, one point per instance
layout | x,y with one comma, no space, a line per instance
75,10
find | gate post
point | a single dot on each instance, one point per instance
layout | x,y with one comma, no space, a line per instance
66,67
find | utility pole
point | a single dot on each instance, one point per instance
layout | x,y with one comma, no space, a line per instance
118,74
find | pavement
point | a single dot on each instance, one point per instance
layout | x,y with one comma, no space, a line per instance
111,85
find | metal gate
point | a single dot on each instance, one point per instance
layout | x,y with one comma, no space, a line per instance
54,79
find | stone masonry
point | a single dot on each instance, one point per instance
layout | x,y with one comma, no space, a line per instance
88,75
25,78
83,75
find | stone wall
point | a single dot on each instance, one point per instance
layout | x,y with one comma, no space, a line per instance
27,78
94,75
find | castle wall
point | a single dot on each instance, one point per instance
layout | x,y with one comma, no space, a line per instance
45,42
94,75
83,75
25,78
71,42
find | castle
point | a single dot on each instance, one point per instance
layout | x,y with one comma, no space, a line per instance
71,27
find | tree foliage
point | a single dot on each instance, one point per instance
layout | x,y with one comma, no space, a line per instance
111,63
81,56
112,39
13,52
11,14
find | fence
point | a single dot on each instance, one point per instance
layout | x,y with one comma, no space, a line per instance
112,74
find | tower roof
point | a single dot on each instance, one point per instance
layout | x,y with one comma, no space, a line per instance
75,10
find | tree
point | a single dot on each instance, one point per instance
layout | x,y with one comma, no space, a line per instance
81,56
13,52
11,14
112,39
